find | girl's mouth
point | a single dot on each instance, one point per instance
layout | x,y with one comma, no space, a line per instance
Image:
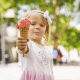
37,32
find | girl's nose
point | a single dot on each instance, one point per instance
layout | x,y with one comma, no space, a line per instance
37,26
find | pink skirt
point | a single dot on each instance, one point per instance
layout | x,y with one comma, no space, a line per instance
30,74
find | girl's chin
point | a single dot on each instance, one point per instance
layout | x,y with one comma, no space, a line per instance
37,38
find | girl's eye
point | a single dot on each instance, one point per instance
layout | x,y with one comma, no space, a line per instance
32,24
41,25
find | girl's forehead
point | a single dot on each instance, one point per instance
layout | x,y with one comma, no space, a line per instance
38,17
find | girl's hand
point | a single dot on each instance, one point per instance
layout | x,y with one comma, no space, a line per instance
22,44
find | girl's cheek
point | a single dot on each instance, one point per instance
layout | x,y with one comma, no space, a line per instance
31,27
30,30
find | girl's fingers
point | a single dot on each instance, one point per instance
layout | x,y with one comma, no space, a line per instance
21,41
21,44
21,47
20,38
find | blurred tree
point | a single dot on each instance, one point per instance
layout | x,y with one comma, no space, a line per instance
60,20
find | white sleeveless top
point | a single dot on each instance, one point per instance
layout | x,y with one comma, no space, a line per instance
38,58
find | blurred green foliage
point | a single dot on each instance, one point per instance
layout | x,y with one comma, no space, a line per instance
70,39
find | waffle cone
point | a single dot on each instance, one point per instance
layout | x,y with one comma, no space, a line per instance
24,33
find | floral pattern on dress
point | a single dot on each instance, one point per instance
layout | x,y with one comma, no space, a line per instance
44,57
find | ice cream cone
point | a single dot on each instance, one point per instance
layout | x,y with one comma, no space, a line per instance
23,26
24,33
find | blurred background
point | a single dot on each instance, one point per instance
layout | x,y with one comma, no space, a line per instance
64,36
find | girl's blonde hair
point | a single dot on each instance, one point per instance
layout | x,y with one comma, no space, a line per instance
47,32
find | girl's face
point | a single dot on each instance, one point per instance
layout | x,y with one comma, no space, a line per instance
37,28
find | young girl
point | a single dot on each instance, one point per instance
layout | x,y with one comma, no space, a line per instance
37,63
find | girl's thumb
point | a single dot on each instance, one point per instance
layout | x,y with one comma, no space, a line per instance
27,40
